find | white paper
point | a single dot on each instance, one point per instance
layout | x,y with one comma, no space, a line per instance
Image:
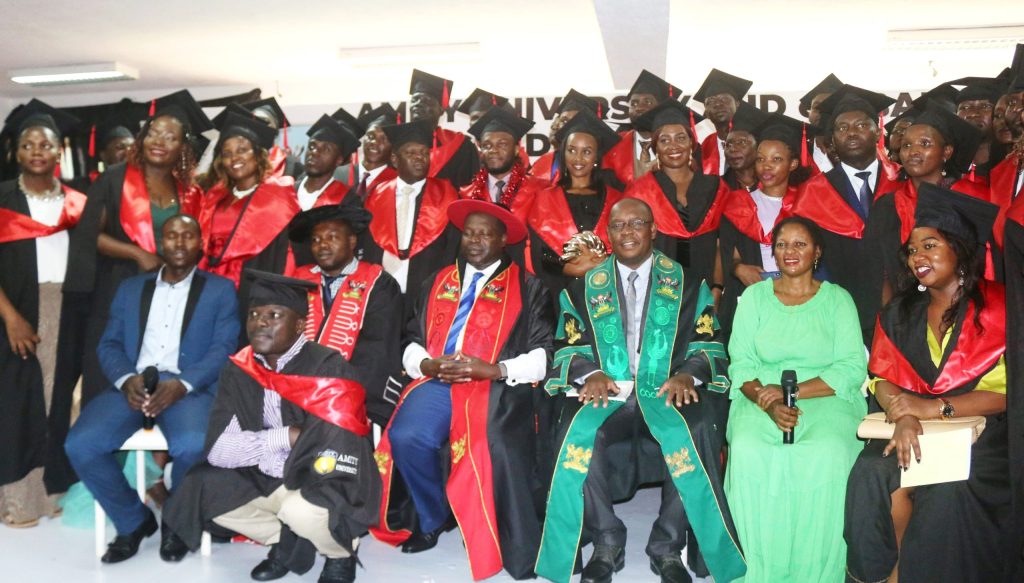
945,457
625,389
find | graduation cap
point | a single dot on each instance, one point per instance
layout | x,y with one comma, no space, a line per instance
269,105
648,82
789,131
480,100
909,115
962,215
748,117
829,84
852,98
718,82
500,120
272,289
236,121
328,129
382,115
300,229
943,95
199,145
349,121
36,113
183,107
420,132
666,113
978,89
515,230
576,101
434,86
588,123
962,135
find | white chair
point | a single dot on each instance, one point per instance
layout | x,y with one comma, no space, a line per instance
140,442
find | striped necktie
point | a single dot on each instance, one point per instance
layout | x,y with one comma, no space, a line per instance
465,306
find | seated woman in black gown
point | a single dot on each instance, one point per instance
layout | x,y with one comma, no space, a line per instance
938,353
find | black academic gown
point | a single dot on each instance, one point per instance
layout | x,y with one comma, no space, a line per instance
512,431
460,169
1014,261
697,254
352,500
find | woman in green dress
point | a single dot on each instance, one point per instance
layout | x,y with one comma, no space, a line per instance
787,500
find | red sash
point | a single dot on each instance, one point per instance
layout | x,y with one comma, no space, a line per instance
667,218
905,200
341,332
18,227
332,195
541,168
470,485
1003,181
818,200
278,159
552,220
340,402
619,159
709,154
741,210
136,216
430,222
272,206
975,352
446,143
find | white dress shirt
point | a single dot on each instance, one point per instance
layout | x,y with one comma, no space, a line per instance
306,198
492,186
399,268
851,173
524,368
1016,192
821,159
371,175
161,340
51,250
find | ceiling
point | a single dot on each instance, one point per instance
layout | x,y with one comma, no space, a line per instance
526,47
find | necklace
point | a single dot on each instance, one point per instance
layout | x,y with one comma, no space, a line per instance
55,192
243,193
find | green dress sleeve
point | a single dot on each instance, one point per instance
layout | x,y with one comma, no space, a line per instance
849,365
743,360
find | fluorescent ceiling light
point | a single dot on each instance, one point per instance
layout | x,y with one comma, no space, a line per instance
411,54
72,74
975,37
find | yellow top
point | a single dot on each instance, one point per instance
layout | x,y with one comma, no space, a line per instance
994,381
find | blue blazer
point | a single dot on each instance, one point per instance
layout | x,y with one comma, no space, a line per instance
209,331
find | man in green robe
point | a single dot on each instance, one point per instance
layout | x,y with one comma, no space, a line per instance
640,355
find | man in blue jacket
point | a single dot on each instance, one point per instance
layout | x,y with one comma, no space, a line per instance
184,323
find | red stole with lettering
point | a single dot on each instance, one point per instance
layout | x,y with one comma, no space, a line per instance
18,227
974,355
136,216
552,220
340,402
446,143
648,190
341,331
741,210
470,485
430,221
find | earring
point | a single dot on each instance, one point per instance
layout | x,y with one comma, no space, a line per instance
921,287
815,265
960,272
943,171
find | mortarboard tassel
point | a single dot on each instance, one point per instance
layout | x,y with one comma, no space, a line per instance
670,95
398,119
494,101
599,115
92,141
693,126
444,95
354,165
803,145
973,166
881,132
152,107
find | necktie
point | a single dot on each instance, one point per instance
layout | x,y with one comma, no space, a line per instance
865,191
361,189
465,305
329,291
404,196
631,319
499,189
646,159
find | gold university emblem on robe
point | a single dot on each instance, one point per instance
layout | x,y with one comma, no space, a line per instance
679,463
577,458
458,449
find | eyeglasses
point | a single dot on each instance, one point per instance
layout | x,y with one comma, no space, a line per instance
634,225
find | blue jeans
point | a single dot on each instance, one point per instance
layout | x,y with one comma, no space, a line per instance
106,423
418,432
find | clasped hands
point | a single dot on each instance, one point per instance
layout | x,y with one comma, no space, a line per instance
906,411
678,389
459,368
166,394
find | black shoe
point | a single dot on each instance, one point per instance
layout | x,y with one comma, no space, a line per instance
124,547
423,541
671,569
605,562
338,571
269,568
172,548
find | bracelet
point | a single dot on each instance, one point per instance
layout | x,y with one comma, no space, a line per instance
717,286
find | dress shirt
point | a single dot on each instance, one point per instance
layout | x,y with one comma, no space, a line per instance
1016,192
51,250
524,368
851,174
268,449
721,156
821,159
161,339
492,186
399,268
336,284
638,146
306,198
371,175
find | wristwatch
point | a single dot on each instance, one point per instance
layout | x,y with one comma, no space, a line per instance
947,410
503,374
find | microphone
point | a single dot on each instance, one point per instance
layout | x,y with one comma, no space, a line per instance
789,391
150,377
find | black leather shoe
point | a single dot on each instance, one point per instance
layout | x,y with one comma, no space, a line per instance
423,541
670,568
172,548
338,571
269,568
124,547
605,562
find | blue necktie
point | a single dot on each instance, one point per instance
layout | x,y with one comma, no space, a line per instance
865,191
465,305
